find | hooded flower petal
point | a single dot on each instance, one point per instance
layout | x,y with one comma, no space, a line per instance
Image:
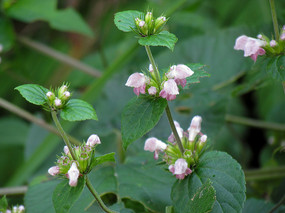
53,170
195,127
170,90
154,145
152,90
138,81
73,174
180,168
93,140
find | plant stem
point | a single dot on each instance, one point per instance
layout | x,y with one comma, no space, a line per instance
255,123
17,190
171,122
274,19
59,56
151,59
265,173
28,116
278,204
62,133
97,196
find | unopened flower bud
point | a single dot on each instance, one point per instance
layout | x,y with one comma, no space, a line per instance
50,95
21,208
53,170
150,68
148,18
159,24
201,143
259,36
66,150
93,140
195,127
273,43
83,161
152,90
62,89
57,102
73,174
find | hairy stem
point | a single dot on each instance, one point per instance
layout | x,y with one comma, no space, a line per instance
155,70
62,133
255,123
171,122
97,197
274,19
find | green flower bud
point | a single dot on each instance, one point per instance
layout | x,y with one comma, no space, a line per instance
83,161
159,24
50,96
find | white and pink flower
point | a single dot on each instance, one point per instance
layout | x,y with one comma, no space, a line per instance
54,170
252,47
154,145
180,168
179,73
93,140
73,174
195,127
138,81
179,130
170,90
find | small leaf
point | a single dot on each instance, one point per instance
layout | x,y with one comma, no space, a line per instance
199,201
3,203
102,159
78,110
139,116
64,196
199,72
276,67
164,38
33,93
125,21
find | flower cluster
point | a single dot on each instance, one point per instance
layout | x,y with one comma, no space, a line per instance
261,45
168,89
73,169
16,209
59,101
193,141
149,25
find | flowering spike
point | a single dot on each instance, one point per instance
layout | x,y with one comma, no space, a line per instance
73,174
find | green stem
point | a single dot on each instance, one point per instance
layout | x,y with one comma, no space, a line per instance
155,70
265,173
17,190
97,196
62,133
255,123
171,122
274,19
278,204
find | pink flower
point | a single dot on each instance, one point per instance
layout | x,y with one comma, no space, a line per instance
195,127
152,90
150,68
250,46
171,138
57,102
93,140
154,145
73,174
53,170
203,139
170,90
66,150
179,73
282,37
180,168
138,81
272,43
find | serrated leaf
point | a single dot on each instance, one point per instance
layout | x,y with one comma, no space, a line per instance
47,11
164,38
78,110
196,201
199,72
276,67
110,157
227,177
125,21
64,196
33,93
139,116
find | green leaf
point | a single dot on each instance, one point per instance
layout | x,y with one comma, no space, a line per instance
78,110
64,20
164,38
64,196
3,203
227,179
139,116
199,72
276,67
7,35
125,21
169,209
196,201
33,93
102,159
253,205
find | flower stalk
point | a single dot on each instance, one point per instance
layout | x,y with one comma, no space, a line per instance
274,19
151,59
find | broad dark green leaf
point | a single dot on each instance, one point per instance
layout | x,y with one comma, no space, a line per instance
164,38
64,20
110,157
253,205
199,72
125,21
139,116
276,67
3,204
227,179
64,196
33,93
78,110
196,201
7,35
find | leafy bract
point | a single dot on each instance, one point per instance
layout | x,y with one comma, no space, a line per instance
125,21
227,179
110,157
64,20
139,116
33,93
164,38
78,110
64,196
199,72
